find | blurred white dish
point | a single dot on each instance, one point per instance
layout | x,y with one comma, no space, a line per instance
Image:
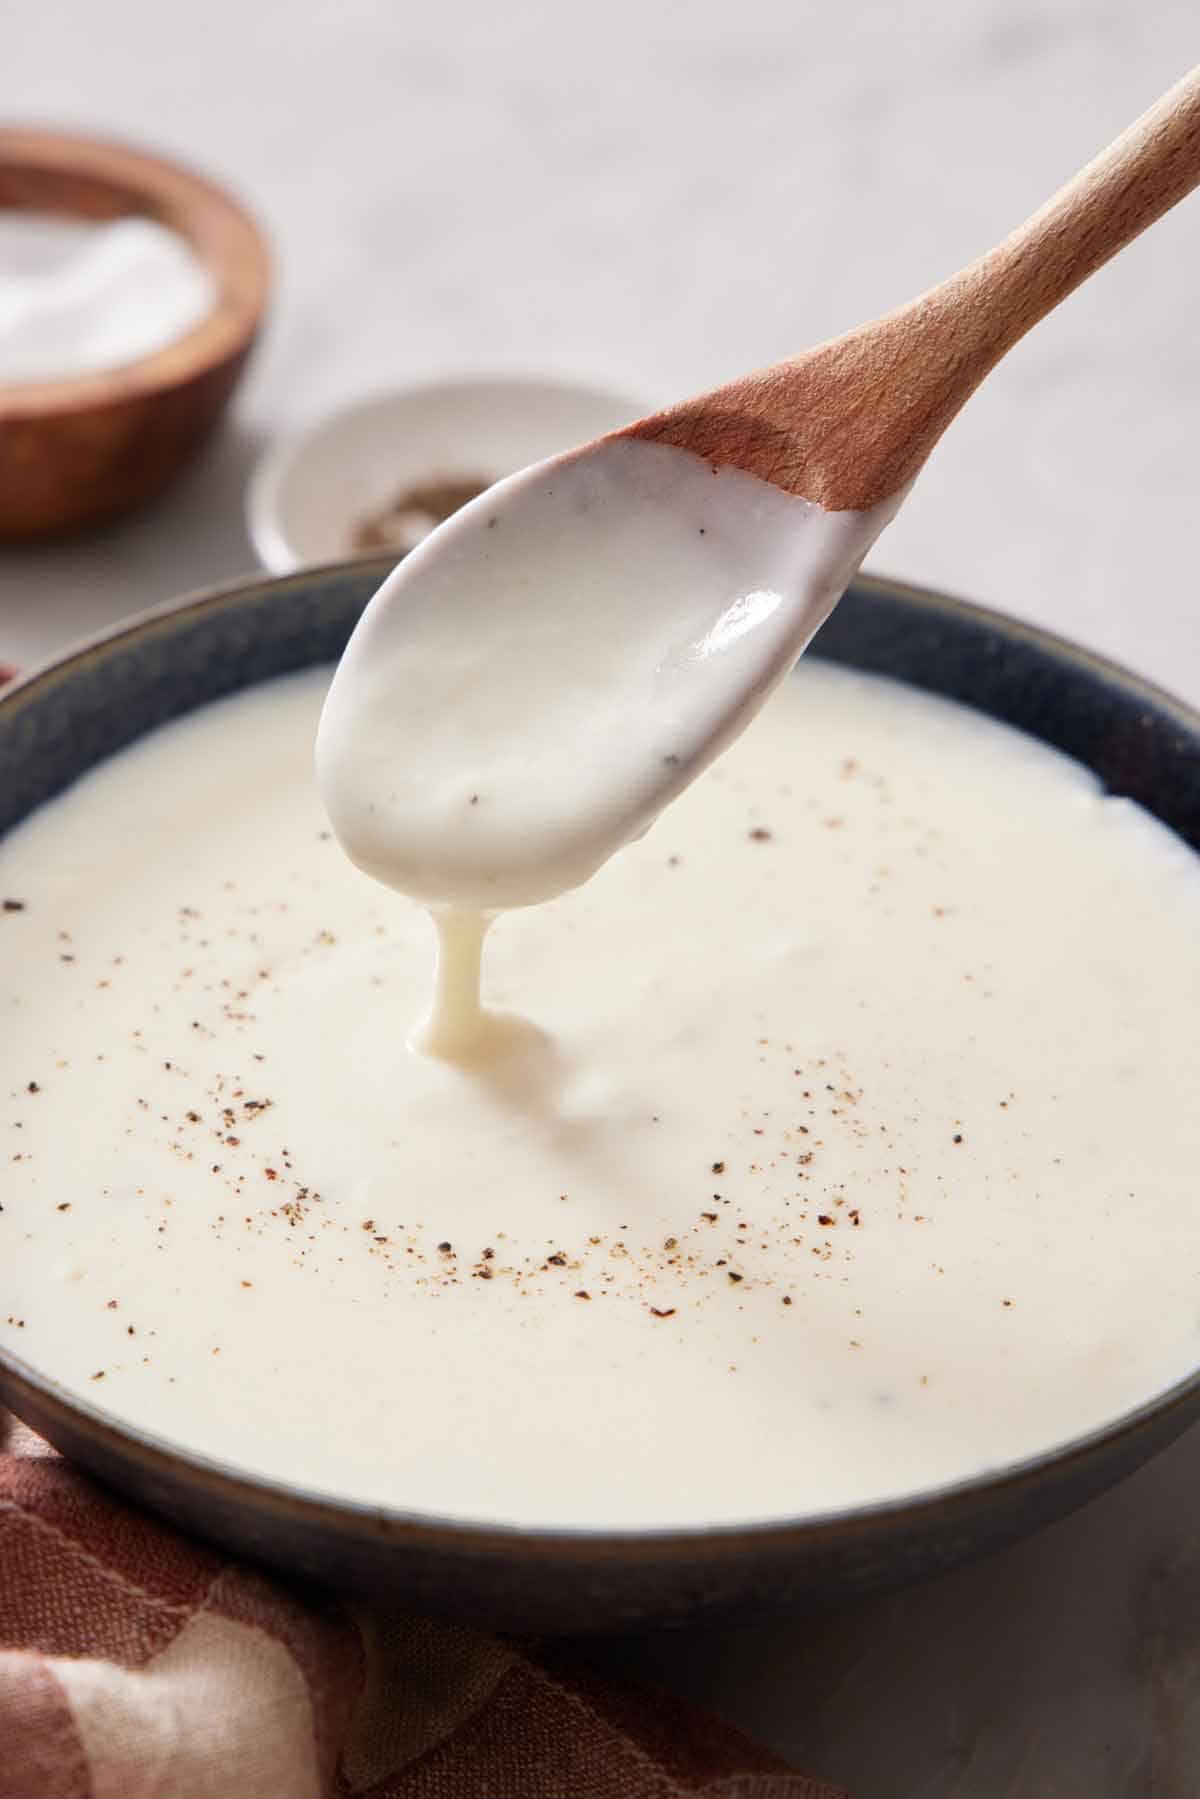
311,494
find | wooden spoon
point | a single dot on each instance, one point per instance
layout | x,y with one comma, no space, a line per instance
562,657
850,422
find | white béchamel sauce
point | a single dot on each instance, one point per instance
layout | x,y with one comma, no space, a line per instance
535,682
837,1140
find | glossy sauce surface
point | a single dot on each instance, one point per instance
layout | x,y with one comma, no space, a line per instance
837,1140
560,659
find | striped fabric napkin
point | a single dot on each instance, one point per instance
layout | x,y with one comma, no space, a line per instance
137,1664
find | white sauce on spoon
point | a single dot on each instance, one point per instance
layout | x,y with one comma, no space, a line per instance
556,663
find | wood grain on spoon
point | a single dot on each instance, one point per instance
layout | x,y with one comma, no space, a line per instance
850,422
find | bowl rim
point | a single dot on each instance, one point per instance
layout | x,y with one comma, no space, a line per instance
217,228
490,1538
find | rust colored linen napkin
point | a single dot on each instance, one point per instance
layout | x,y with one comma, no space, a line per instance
138,1664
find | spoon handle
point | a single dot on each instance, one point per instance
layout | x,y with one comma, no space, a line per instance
849,423
1140,176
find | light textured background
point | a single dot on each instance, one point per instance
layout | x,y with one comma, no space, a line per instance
661,195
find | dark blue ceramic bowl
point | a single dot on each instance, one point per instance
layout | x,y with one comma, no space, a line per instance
57,724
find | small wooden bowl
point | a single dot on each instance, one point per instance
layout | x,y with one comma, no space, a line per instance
91,447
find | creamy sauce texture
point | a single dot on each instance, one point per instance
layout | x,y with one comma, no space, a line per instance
533,684
836,1141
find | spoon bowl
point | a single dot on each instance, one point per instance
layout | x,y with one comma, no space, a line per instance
507,712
